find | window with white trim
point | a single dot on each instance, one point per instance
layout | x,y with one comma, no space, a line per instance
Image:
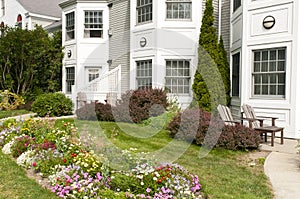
179,9
269,72
144,11
70,79
178,76
93,24
144,73
92,72
70,26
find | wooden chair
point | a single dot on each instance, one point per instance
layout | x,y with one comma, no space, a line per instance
257,123
226,115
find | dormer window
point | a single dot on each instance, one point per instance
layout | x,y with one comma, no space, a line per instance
70,26
19,21
93,24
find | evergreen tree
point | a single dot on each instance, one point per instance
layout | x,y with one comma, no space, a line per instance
224,68
208,84
208,36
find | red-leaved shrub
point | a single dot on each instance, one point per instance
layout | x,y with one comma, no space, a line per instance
134,106
200,127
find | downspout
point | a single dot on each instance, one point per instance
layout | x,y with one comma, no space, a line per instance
220,18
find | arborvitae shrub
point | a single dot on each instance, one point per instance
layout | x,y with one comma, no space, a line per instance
193,124
52,104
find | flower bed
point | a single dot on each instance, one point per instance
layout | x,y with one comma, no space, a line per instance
75,171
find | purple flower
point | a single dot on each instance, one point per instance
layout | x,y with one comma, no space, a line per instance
99,176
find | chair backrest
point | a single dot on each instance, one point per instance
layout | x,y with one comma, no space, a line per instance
249,113
225,114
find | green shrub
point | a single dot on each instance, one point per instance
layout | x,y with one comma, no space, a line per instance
52,104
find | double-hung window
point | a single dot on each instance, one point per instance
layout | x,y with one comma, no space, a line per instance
93,24
178,76
70,79
144,73
144,11
269,72
70,26
179,9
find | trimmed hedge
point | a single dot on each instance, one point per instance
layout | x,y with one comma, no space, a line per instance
52,104
201,128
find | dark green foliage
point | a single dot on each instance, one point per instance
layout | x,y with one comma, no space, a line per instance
210,131
208,35
52,104
208,86
211,80
224,68
30,61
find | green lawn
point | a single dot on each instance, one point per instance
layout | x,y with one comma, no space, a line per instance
4,113
222,173
15,184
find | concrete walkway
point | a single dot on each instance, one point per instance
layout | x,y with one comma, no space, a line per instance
282,166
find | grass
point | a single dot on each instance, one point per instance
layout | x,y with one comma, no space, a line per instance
15,184
8,113
223,173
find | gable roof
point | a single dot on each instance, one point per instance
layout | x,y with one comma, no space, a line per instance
42,7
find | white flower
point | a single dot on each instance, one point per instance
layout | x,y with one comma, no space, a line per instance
7,147
142,183
154,178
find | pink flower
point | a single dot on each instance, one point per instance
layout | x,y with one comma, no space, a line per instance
34,164
148,190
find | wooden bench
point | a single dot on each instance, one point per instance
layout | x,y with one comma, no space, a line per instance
272,130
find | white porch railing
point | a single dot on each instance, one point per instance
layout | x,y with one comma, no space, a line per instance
107,85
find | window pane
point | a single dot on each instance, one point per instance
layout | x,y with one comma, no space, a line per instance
273,55
265,78
281,90
272,90
257,67
264,66
256,56
272,66
264,55
273,78
257,90
281,78
264,90
281,54
257,79
281,66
